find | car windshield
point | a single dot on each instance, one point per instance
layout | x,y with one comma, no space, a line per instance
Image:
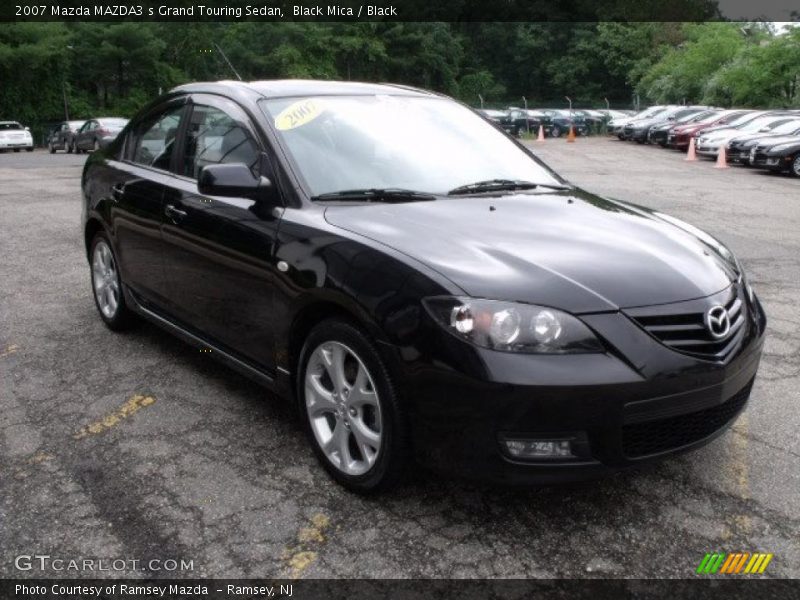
113,123
757,124
75,124
426,144
788,127
10,126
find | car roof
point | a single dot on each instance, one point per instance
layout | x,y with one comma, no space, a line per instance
282,88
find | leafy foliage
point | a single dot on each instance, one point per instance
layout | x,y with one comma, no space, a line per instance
113,69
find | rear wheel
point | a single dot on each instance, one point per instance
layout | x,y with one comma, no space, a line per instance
107,285
51,148
555,131
350,408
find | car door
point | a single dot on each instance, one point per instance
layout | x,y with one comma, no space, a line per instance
83,134
138,182
218,254
58,136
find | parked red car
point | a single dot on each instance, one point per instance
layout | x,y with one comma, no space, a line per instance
679,136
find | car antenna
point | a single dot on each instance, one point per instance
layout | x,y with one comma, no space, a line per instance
239,77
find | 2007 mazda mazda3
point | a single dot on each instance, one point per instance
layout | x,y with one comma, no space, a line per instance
422,287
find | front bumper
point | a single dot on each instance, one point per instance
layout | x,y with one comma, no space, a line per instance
707,148
9,144
639,402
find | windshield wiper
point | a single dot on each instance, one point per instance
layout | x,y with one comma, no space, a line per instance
375,195
493,185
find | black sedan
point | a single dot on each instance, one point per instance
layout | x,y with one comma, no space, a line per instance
97,133
62,136
781,155
422,288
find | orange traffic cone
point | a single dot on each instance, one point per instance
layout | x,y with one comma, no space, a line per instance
540,137
571,134
722,158
691,154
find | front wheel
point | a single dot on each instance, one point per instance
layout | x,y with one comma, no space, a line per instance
51,148
796,166
107,285
555,132
350,409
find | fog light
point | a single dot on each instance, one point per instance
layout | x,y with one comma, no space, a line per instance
539,448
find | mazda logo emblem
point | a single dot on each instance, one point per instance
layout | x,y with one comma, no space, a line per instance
718,322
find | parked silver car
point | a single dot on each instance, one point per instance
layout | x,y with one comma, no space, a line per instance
97,133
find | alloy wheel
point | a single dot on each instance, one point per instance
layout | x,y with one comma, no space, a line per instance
105,279
343,408
796,166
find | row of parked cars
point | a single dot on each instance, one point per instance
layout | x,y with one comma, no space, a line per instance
82,136
767,139
553,121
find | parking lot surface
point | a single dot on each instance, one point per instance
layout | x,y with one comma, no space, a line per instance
137,446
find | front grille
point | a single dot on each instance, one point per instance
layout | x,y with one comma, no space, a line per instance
687,332
654,437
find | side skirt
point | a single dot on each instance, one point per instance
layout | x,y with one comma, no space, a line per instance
225,357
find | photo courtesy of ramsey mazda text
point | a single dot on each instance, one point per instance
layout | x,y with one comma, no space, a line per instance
425,292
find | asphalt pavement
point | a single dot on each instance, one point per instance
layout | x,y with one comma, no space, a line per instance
135,446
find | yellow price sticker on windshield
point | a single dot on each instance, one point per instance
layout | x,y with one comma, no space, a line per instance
298,114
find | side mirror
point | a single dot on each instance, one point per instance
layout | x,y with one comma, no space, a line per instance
233,180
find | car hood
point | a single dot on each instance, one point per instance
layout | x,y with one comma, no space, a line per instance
766,139
570,249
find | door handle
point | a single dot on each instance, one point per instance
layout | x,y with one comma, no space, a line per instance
117,191
174,213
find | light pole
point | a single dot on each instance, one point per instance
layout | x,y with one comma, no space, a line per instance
481,99
570,105
64,91
527,122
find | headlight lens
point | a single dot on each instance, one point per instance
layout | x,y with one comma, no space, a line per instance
512,326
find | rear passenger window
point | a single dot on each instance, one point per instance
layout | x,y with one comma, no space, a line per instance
154,138
213,137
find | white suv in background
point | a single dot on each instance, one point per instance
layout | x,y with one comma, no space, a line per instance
14,136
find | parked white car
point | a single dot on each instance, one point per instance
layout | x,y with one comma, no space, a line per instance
14,136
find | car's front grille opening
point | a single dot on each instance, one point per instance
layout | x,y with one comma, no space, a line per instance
654,437
688,332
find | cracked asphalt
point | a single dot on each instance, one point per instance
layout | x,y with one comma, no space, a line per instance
137,446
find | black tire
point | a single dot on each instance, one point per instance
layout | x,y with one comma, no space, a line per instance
123,318
795,168
51,148
555,131
16,149
392,460
69,147
29,149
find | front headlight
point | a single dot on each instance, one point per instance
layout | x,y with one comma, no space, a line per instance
511,326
